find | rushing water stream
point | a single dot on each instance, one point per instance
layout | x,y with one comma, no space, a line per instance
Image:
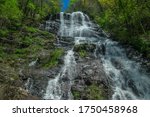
128,80
55,85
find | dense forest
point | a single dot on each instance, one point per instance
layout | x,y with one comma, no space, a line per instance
22,42
14,12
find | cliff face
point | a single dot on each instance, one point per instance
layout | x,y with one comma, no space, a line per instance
30,58
91,82
82,73
19,52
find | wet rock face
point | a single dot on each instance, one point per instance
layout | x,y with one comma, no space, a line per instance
36,80
91,81
117,63
138,57
53,22
66,41
87,47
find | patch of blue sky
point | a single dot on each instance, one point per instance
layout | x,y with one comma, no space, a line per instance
65,5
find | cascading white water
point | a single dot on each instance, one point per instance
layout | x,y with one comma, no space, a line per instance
53,90
56,89
128,82
75,26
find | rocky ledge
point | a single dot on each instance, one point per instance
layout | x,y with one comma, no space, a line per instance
91,82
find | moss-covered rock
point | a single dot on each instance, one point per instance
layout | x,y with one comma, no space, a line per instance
84,50
91,92
86,47
95,92
53,59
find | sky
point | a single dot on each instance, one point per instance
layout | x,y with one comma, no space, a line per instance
65,4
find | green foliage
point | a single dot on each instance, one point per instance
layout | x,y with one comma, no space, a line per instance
54,56
13,12
126,13
83,50
2,53
31,29
127,20
95,93
4,32
10,10
142,44
76,95
41,7
31,5
86,6
73,2
82,53
25,46
92,92
54,6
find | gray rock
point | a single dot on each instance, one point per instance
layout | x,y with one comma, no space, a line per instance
90,73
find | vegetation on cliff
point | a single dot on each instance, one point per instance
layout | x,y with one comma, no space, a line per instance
21,42
126,20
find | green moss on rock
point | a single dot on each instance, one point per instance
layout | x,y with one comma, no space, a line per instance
92,92
83,50
54,58
95,92
76,95
82,53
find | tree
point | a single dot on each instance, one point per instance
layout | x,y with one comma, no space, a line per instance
9,11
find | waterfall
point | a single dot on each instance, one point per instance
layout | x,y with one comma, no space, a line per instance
75,26
68,72
62,24
60,86
128,82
